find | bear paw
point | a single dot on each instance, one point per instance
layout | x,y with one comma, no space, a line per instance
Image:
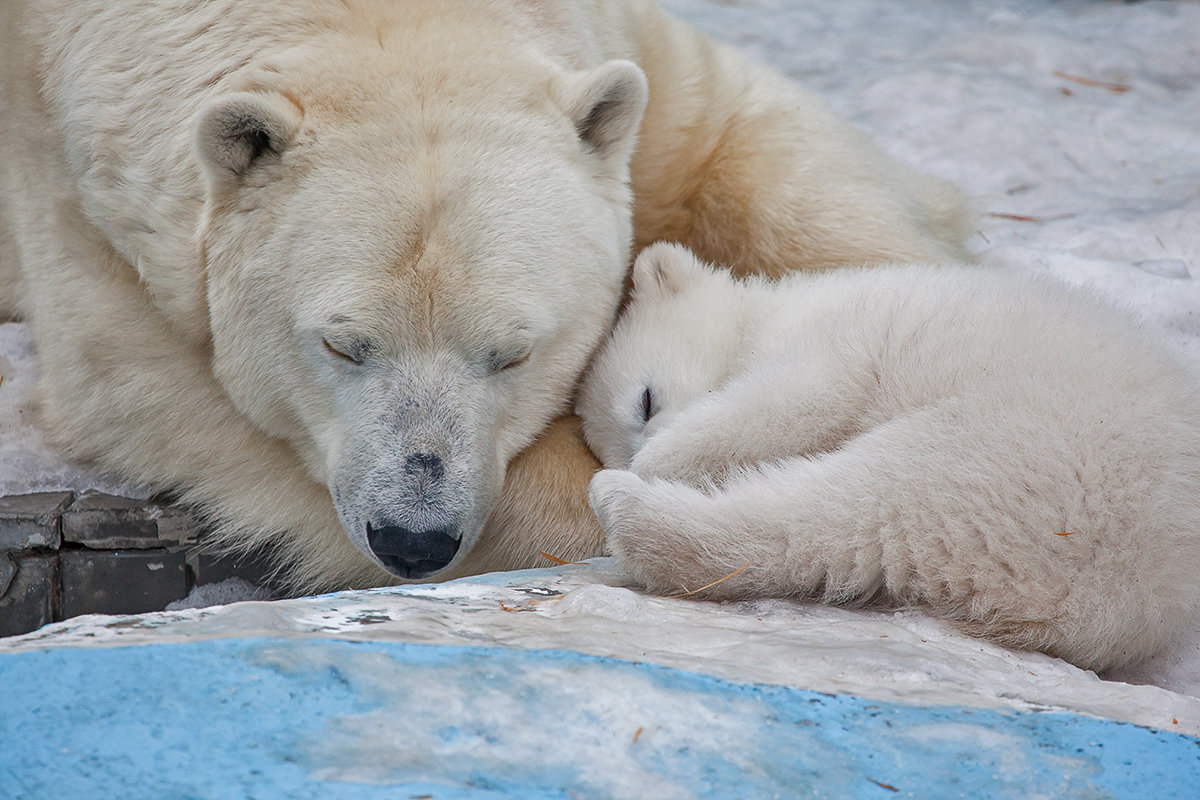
644,528
664,456
674,539
613,495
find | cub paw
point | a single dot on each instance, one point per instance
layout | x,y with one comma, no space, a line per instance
666,457
633,526
613,495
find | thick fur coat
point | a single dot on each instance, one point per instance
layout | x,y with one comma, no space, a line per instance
1013,455
331,270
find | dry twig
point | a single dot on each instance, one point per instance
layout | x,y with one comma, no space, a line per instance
687,593
1115,88
1027,218
556,559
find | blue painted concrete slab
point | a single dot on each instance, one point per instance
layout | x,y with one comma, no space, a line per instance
287,718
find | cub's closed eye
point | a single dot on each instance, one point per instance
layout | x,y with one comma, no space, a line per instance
648,406
353,355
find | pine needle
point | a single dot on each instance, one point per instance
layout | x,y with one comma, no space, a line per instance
556,559
1115,88
687,593
1027,218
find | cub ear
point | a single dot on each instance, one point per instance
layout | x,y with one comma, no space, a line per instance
236,130
606,106
664,269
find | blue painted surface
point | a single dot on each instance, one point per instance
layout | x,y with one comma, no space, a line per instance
277,718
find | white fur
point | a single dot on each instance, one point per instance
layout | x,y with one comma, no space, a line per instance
1016,456
216,209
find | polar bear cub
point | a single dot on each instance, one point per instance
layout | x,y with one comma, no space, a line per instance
1008,453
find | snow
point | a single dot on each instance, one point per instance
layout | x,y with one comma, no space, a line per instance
995,97
566,682
230,590
320,714
592,608
1072,126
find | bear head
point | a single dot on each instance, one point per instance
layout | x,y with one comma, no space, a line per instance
408,266
676,340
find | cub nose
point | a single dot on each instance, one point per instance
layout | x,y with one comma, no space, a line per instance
412,554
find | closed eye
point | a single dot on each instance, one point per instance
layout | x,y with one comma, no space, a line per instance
499,363
649,407
352,354
516,362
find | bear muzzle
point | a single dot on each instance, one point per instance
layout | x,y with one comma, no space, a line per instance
413,554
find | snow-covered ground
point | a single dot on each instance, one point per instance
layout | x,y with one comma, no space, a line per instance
1074,127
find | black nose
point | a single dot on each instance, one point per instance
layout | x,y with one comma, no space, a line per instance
412,554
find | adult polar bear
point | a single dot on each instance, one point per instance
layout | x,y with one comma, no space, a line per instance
328,268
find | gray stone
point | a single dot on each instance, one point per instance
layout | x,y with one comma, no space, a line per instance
107,522
208,567
29,602
121,582
32,521
176,525
8,571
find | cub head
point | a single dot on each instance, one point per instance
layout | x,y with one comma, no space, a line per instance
407,272
674,343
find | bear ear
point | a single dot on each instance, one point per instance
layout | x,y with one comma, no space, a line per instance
664,269
607,107
237,130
